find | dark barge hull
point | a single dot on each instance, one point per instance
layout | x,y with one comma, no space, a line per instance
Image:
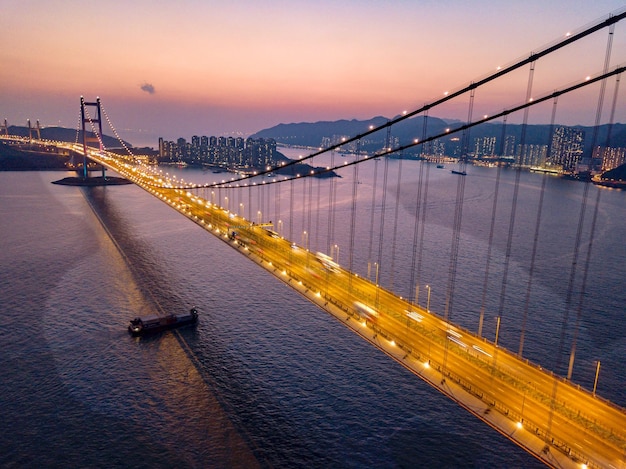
154,324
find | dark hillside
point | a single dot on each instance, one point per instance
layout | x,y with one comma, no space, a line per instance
325,133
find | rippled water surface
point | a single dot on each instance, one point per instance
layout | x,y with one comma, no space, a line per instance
266,379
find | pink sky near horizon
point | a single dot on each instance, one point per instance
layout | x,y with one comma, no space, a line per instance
238,67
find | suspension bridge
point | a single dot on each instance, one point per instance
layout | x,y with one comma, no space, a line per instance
376,290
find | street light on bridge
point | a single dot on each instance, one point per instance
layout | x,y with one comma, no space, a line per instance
495,342
595,381
336,253
520,424
376,264
428,299
377,289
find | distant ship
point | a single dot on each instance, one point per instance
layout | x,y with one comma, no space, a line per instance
461,173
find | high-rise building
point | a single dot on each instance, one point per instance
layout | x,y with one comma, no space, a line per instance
567,148
532,155
484,147
509,146
611,157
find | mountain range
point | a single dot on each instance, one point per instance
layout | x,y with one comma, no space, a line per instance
324,133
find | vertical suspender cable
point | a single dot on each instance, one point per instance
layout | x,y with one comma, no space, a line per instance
304,205
607,60
422,223
456,239
277,196
422,215
309,208
381,235
416,234
395,227
238,201
331,205
250,199
317,212
609,132
454,254
291,182
261,201
465,137
533,255
509,241
372,216
355,185
268,204
417,216
494,209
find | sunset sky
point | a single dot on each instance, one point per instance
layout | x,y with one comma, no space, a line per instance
203,67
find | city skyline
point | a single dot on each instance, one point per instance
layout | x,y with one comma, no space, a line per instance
195,68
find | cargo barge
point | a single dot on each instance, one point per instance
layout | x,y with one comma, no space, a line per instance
153,324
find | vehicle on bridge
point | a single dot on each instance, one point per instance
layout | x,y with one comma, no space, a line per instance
415,316
366,312
327,262
153,324
272,233
243,241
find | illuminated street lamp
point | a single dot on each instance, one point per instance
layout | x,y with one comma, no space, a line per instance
377,289
520,424
495,343
241,210
259,216
336,254
595,381
376,264
305,240
280,227
227,204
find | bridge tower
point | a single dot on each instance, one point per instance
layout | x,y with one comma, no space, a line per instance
86,118
35,130
4,129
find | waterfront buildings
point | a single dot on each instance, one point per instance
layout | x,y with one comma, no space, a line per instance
232,152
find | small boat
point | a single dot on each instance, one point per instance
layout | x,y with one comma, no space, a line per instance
461,173
152,324
440,166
